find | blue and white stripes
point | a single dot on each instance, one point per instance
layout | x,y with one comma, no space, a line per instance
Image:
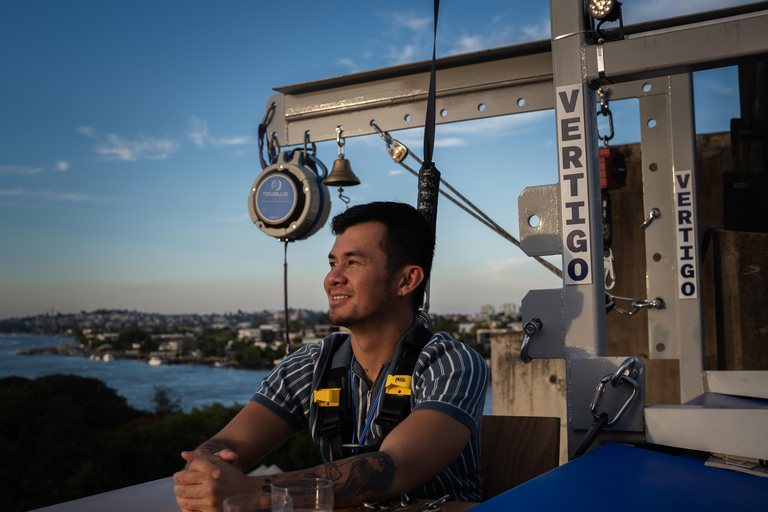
449,377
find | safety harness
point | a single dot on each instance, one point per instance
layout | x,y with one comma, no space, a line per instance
333,395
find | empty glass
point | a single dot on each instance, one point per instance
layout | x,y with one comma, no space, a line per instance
309,494
261,502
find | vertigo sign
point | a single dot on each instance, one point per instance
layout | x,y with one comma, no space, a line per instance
574,196
687,263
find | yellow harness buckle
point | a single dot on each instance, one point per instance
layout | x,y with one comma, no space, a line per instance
398,385
330,397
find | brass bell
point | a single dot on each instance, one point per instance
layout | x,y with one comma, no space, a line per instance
341,174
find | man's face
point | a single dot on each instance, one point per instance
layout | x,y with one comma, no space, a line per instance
359,287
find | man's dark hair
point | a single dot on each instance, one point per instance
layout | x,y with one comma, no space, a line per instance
409,239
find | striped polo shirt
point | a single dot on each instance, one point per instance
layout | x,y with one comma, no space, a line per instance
449,377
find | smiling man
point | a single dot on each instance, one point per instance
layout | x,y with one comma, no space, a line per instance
392,407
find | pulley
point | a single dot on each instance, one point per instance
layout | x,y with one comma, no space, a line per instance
288,200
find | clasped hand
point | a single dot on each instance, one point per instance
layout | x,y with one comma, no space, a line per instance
207,480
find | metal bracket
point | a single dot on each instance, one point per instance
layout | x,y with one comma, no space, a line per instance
540,206
547,306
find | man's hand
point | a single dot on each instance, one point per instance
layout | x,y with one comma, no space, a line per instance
206,456
207,481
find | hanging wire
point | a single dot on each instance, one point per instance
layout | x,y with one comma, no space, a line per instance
477,213
285,299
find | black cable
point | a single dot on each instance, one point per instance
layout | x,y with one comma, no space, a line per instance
285,298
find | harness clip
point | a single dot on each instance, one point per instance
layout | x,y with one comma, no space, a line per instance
398,385
330,397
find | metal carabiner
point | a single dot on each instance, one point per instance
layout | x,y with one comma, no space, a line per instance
626,369
340,140
610,271
605,94
384,135
270,113
606,138
405,503
396,149
657,303
595,405
434,506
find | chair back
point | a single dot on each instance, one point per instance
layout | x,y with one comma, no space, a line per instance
515,449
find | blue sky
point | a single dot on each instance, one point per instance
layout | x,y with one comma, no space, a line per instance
128,148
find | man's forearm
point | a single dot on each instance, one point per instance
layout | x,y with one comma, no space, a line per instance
364,477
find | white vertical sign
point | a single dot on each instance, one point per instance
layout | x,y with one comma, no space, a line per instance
574,209
687,259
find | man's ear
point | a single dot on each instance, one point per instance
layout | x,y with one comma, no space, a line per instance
411,276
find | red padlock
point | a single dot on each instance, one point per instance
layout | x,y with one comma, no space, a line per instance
613,169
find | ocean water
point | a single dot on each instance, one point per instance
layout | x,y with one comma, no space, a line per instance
195,386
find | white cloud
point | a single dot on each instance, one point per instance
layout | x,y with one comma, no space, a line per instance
498,37
202,137
19,169
410,20
468,44
347,63
449,142
117,147
405,54
497,267
61,165
537,32
88,131
396,172
719,88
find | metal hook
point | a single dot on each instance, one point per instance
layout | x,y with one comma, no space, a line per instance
273,145
384,135
530,329
340,140
270,113
655,213
307,141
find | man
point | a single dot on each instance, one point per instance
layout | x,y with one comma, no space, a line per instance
379,266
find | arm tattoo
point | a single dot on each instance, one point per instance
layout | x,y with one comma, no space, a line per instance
365,476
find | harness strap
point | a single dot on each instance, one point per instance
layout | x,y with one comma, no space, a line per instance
395,408
335,423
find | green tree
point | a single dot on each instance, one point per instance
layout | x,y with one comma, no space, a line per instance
137,335
441,323
165,402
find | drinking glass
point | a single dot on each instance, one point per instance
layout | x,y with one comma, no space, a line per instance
261,502
309,494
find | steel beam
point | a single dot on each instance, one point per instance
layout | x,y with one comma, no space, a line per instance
683,49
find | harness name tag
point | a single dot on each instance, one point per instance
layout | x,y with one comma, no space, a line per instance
330,397
398,385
